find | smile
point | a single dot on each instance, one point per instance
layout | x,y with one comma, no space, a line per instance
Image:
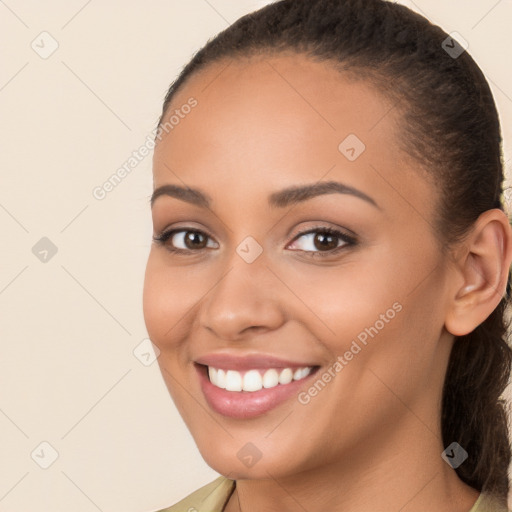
250,391
255,380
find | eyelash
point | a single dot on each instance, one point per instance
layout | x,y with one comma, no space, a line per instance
349,240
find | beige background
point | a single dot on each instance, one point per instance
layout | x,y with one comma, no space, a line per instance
69,325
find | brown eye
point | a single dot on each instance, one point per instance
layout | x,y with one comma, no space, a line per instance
322,241
184,240
325,241
195,240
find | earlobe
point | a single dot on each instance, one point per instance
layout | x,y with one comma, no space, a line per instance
484,265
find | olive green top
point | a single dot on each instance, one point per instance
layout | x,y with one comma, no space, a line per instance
214,496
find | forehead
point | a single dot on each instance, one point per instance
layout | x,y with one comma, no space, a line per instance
282,118
290,87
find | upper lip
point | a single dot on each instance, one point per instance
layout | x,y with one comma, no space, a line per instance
248,362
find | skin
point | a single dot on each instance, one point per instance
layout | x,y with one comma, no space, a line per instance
371,439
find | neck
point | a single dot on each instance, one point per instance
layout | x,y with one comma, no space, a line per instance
397,473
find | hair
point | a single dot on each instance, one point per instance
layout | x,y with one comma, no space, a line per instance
451,129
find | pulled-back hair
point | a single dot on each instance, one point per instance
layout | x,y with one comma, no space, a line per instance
451,129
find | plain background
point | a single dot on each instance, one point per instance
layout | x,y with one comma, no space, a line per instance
69,325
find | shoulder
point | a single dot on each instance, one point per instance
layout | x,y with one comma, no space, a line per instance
489,503
210,498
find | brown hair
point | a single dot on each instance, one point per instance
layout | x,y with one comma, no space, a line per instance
451,129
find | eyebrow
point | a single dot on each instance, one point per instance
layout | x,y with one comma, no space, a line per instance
280,199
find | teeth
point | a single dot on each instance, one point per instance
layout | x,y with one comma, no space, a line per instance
286,376
221,378
300,373
233,381
254,380
270,378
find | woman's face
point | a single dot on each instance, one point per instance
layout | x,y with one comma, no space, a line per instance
257,275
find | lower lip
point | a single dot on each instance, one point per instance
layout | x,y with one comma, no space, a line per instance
247,404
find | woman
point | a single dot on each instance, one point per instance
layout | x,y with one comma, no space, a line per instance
330,265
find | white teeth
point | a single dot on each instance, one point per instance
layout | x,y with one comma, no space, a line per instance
297,375
301,373
221,379
286,376
253,380
270,378
233,381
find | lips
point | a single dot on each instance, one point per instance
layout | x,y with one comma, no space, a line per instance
235,402
249,362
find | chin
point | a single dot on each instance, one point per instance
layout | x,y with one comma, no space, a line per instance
246,462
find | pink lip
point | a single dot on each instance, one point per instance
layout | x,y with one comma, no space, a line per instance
248,362
247,404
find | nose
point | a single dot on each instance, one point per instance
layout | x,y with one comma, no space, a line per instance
245,299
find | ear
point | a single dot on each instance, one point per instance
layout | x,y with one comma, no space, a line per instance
482,267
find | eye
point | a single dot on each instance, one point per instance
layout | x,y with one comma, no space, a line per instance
320,241
324,241
189,239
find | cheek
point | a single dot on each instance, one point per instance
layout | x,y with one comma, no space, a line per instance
166,300
153,301
165,316
340,301
374,315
